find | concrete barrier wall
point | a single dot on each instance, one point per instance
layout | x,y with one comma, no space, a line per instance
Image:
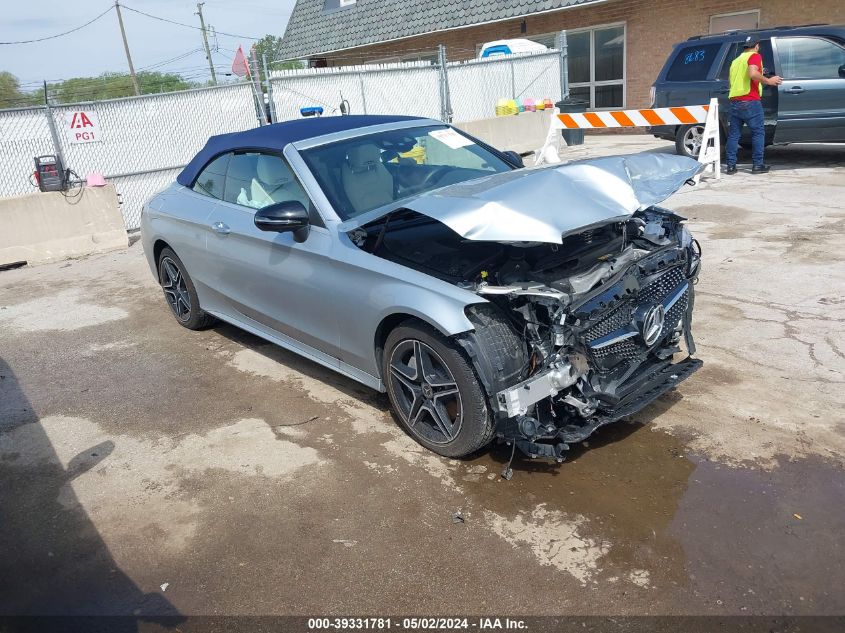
43,227
523,133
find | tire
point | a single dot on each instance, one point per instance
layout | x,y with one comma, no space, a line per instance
447,410
688,140
180,293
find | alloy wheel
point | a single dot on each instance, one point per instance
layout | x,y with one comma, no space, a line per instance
175,289
425,392
692,140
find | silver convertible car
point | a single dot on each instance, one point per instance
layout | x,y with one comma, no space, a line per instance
488,300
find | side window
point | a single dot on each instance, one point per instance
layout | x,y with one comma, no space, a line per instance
768,57
736,50
257,180
692,63
733,53
211,179
239,178
810,58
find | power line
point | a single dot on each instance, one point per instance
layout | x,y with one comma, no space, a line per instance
52,37
171,60
188,26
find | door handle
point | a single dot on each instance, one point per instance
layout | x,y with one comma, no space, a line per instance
221,228
795,90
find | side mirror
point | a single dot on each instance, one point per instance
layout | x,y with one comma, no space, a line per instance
284,217
514,158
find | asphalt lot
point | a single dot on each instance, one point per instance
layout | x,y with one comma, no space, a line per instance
147,469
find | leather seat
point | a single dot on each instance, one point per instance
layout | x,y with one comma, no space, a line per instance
274,183
366,181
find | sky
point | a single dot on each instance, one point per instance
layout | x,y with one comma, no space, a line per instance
98,48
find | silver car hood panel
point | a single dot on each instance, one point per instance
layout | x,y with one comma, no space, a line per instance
546,204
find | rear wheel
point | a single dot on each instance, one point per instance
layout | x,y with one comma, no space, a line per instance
688,140
179,292
434,392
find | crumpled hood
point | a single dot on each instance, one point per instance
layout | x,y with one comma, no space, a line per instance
545,204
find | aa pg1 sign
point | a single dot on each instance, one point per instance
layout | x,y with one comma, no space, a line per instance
82,126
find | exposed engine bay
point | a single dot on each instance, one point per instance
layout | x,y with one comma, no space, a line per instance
575,335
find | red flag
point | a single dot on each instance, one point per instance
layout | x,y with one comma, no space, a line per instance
240,66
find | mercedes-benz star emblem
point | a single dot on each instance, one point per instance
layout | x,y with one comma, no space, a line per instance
653,324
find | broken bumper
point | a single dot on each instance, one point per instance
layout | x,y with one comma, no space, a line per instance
640,390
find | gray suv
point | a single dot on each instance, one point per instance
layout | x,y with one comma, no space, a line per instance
808,108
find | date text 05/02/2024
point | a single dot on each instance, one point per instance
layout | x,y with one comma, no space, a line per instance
416,624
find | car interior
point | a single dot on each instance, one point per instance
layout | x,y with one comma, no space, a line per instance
360,175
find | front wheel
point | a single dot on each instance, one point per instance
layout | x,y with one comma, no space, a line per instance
434,392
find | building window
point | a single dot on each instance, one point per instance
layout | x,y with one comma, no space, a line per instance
597,66
334,5
738,21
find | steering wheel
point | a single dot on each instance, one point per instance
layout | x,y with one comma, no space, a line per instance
434,175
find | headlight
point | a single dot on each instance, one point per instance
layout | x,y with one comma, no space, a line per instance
686,236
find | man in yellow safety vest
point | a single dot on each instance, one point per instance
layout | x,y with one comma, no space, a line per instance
746,88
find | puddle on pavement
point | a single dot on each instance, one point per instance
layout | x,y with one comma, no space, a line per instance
627,482
765,541
727,537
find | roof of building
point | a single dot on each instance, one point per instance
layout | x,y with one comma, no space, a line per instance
312,29
277,136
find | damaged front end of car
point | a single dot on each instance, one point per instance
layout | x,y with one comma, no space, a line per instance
600,342
588,287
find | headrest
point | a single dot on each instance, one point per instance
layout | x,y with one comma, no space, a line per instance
272,171
363,158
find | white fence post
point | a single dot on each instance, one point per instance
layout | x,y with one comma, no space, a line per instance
363,92
563,47
445,100
513,79
269,86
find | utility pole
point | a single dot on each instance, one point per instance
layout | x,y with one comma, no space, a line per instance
126,48
205,41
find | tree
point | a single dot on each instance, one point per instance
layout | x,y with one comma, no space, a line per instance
11,95
271,45
114,85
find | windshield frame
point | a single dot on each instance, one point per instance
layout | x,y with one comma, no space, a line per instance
304,151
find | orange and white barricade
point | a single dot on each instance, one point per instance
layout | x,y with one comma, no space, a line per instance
685,115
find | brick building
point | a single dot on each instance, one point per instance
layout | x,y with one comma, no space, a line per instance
616,47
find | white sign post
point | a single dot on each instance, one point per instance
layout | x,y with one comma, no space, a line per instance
710,153
82,126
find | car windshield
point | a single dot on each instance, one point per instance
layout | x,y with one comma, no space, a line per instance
367,172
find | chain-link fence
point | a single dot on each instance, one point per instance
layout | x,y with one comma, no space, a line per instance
474,87
24,134
143,142
408,88
146,139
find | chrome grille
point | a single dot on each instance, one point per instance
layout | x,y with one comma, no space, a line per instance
616,318
657,290
633,349
626,350
676,313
